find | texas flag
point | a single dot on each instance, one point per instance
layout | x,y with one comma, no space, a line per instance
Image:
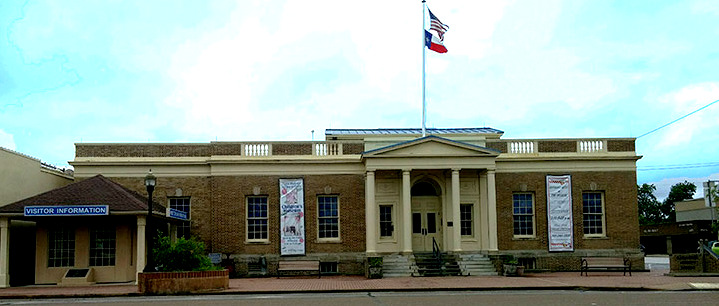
434,43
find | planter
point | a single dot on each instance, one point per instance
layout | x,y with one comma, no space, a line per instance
182,282
373,267
513,270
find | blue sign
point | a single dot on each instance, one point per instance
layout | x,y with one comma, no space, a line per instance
215,258
177,214
69,210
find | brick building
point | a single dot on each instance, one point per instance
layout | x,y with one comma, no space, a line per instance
392,193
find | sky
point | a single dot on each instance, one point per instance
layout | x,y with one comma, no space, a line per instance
76,71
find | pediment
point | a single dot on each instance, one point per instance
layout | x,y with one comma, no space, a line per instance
431,146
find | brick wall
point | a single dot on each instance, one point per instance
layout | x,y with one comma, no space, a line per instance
557,146
620,145
197,188
292,149
198,149
500,146
218,212
352,148
182,282
622,225
142,150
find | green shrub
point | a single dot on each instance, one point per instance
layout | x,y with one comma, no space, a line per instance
183,255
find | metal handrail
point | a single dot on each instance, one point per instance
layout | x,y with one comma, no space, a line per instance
437,254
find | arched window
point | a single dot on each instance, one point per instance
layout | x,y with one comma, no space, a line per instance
425,188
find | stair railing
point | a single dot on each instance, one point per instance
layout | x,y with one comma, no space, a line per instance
438,255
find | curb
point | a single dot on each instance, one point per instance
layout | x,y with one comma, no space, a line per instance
230,292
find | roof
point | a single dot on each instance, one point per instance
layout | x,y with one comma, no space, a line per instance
97,190
411,131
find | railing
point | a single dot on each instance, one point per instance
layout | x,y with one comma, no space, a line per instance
327,148
259,149
591,146
438,255
522,147
579,146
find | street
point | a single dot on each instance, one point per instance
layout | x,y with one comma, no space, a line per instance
445,298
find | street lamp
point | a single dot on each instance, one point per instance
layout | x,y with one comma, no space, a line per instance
150,181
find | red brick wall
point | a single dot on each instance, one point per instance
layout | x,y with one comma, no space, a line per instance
218,213
230,212
622,224
182,282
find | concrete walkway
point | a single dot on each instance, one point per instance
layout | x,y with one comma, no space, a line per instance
655,280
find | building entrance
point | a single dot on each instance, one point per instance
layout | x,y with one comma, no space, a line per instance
426,223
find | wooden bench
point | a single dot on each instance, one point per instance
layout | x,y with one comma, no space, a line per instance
606,264
298,266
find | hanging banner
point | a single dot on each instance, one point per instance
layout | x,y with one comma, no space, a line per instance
559,213
292,217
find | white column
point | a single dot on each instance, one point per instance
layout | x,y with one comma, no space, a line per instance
406,213
4,253
483,212
492,206
370,214
141,246
456,223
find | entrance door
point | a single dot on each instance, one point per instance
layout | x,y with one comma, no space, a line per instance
426,223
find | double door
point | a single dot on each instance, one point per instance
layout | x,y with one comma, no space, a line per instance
426,223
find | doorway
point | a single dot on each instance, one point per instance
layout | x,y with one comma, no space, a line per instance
426,223
426,216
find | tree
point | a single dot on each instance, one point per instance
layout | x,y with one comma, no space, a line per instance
649,207
678,192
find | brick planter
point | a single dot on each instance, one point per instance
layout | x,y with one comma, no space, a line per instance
182,282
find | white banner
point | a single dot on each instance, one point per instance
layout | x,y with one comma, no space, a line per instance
559,213
292,217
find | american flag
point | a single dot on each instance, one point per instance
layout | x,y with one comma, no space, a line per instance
436,25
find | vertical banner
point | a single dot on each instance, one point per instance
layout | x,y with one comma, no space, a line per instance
292,217
559,213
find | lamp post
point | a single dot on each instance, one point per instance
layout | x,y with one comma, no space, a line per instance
150,181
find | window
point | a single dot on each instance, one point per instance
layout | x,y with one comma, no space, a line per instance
386,229
328,221
61,243
523,211
182,204
102,246
328,267
257,218
465,217
593,209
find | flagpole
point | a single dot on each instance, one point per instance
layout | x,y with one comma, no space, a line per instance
424,60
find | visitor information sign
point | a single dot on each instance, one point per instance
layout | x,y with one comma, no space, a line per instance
292,217
559,213
66,210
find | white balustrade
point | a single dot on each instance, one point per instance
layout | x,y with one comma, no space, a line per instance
521,147
324,149
591,146
256,149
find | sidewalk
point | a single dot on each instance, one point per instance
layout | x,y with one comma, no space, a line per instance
655,280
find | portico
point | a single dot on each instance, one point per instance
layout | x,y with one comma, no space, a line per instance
430,191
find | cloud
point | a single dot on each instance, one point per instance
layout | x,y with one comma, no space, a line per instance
6,140
684,101
664,185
